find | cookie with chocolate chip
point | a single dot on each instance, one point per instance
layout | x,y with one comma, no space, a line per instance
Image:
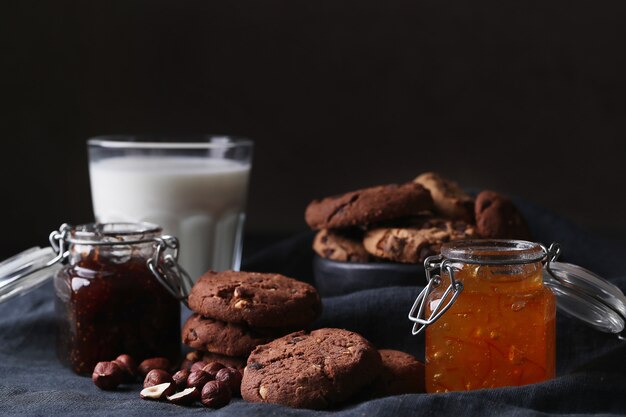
498,218
255,299
237,362
310,370
368,205
450,200
338,246
208,334
415,243
401,374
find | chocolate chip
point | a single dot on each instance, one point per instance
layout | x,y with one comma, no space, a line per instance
485,205
255,366
295,340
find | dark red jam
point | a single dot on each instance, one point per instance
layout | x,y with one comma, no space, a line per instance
108,306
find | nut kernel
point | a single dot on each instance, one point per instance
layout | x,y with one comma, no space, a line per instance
158,392
185,397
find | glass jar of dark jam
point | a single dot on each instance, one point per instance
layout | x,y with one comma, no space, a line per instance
108,299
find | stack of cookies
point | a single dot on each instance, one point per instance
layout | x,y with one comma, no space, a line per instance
236,311
407,223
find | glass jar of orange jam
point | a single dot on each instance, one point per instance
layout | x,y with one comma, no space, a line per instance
493,322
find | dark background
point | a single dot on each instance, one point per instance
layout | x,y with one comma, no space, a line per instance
527,98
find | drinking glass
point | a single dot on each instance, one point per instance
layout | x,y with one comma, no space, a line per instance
194,187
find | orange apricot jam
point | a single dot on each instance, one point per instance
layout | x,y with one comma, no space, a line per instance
500,331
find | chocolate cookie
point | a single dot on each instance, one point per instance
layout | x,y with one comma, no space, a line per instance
316,370
498,218
238,362
368,205
339,247
450,200
217,336
416,243
401,374
255,299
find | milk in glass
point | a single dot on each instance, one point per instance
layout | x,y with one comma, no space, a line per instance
199,200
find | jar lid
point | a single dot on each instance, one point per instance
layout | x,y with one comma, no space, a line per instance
26,271
586,296
30,269
580,293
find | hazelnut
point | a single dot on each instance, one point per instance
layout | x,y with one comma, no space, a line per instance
212,368
215,394
197,366
128,366
158,392
185,397
153,363
242,292
231,377
156,377
198,379
180,379
186,364
107,375
194,356
263,392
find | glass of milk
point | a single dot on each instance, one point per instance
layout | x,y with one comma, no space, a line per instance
194,187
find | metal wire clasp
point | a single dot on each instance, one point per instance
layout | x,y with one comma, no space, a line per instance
58,242
164,266
418,314
552,253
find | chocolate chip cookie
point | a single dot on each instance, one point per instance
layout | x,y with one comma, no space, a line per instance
255,299
217,336
368,205
401,374
498,218
339,246
450,200
414,244
238,362
316,370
